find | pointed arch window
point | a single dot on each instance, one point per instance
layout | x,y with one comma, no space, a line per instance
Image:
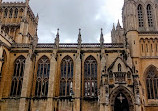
10,13
5,13
90,77
149,15
152,83
119,67
16,13
17,78
4,59
66,76
42,77
140,16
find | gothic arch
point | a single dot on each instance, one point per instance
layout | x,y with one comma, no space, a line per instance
43,56
140,3
128,94
90,56
147,69
42,77
143,6
66,56
149,2
20,56
66,76
90,77
150,15
140,15
151,82
17,78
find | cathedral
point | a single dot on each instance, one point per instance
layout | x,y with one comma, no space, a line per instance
117,76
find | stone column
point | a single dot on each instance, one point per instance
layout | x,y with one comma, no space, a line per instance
51,87
27,79
77,90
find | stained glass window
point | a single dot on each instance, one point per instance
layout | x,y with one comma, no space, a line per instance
17,78
66,76
152,83
90,77
42,77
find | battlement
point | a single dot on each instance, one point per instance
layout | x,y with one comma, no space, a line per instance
13,3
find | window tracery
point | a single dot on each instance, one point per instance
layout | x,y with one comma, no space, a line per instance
140,16
17,78
90,77
42,77
152,83
66,77
149,15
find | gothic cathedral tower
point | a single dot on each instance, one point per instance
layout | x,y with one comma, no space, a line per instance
18,21
140,24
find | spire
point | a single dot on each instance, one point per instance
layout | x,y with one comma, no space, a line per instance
57,39
118,25
37,18
101,37
57,35
79,37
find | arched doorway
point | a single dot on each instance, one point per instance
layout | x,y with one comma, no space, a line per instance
121,103
121,99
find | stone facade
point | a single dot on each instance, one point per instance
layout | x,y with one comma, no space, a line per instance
121,76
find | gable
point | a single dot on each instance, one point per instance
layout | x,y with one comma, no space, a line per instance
114,66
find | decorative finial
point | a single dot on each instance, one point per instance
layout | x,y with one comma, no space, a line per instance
118,25
113,26
37,18
58,32
101,37
80,31
101,31
79,38
57,39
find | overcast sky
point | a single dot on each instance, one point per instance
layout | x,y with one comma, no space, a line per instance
70,15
